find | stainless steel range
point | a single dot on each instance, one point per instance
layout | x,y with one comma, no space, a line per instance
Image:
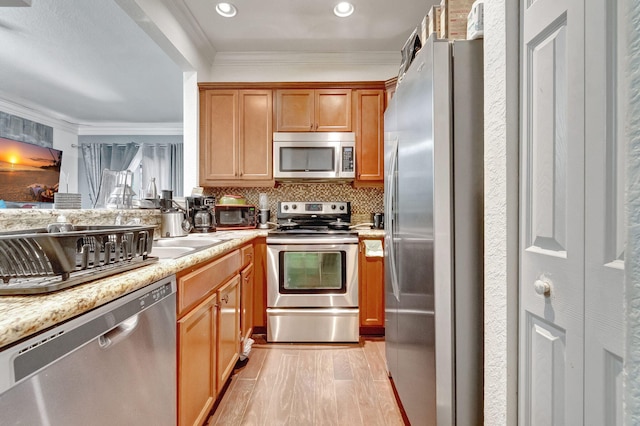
312,274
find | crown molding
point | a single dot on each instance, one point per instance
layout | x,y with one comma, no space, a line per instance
194,30
36,113
139,129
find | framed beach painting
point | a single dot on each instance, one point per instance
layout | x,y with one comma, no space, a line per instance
28,172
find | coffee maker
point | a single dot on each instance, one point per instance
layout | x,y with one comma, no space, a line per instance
201,213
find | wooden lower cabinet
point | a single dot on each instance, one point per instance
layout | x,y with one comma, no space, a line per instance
228,329
196,362
260,286
371,292
246,318
209,310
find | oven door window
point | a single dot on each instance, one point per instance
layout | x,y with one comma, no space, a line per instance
311,272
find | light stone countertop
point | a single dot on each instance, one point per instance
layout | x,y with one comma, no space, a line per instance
370,233
23,316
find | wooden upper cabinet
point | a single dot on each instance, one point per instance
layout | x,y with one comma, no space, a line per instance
313,110
295,110
369,123
256,133
236,128
219,144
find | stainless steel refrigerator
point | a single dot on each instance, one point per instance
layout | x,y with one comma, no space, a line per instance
433,235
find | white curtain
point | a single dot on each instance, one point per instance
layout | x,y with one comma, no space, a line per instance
100,156
164,162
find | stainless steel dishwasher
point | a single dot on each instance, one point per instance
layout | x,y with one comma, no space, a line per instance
115,365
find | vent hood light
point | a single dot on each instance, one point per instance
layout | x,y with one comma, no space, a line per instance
343,9
226,9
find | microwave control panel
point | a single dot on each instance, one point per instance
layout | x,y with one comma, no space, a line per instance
347,159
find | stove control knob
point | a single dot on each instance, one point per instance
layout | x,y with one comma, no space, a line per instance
333,206
285,207
341,207
294,206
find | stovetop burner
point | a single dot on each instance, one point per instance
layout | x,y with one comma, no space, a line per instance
313,217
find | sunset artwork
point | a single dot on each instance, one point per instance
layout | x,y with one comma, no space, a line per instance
28,172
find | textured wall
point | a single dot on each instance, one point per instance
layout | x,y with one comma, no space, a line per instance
501,211
632,266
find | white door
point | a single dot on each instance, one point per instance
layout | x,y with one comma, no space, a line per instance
571,224
604,216
552,213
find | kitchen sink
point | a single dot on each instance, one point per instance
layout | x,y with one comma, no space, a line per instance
186,242
171,252
173,248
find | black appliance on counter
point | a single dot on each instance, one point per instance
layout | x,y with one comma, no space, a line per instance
201,213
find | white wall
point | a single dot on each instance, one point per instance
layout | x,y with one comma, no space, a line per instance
501,211
295,66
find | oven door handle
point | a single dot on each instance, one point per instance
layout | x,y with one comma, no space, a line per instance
325,241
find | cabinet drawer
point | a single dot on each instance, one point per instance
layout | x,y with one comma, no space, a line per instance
195,285
246,253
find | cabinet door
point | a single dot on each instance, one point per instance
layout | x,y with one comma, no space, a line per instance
295,110
228,329
218,135
246,304
369,110
371,273
196,363
260,285
256,132
332,110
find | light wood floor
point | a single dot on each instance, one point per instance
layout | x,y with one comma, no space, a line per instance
300,384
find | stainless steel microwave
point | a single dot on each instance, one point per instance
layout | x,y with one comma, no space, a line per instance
320,155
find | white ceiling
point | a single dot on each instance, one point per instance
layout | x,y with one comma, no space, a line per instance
89,62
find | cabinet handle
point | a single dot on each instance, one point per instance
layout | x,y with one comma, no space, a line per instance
225,298
311,127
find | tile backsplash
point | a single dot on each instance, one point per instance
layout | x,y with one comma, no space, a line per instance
364,201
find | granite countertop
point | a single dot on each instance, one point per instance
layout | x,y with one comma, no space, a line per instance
22,316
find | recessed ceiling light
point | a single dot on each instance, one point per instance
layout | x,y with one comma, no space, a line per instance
343,9
226,9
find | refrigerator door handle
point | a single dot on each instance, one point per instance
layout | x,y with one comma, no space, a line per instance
389,223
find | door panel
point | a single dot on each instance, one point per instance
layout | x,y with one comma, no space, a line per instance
548,142
546,345
552,214
604,218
